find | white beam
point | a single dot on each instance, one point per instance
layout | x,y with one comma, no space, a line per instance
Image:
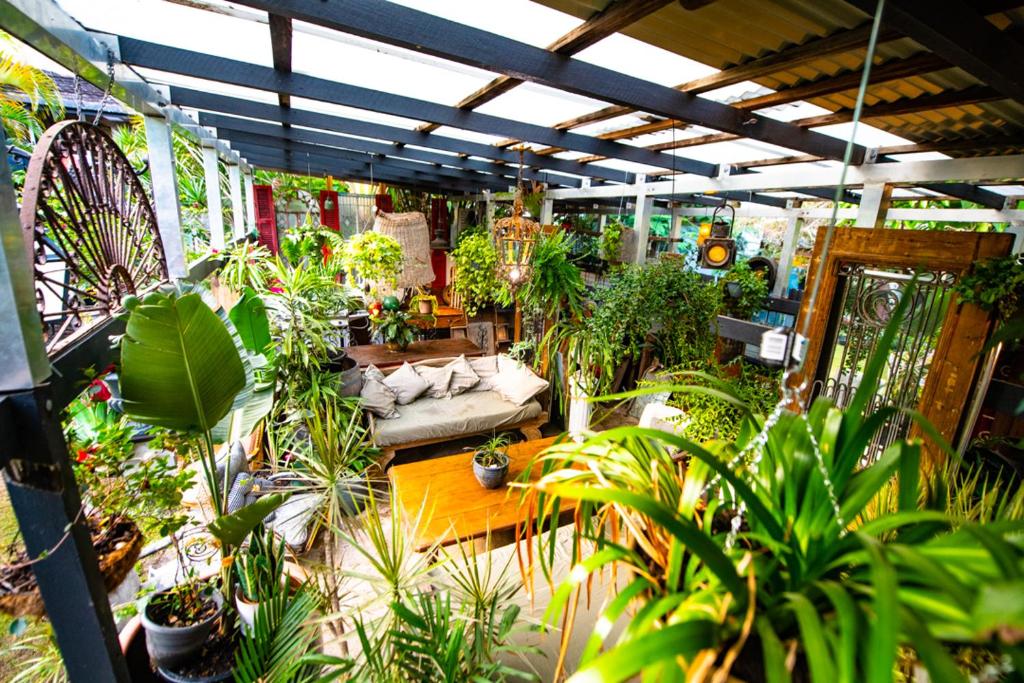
974,169
250,202
237,210
874,202
941,215
160,146
642,219
789,244
213,206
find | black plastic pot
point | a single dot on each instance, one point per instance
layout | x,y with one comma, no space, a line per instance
169,646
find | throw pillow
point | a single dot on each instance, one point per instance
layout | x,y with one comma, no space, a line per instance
437,379
463,376
376,396
485,368
515,382
406,383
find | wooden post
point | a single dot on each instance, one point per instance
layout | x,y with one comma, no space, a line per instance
213,205
547,212
789,244
237,210
250,203
642,218
874,203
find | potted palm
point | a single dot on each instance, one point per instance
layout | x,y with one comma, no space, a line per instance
490,462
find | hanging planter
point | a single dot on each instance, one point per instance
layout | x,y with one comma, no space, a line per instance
118,544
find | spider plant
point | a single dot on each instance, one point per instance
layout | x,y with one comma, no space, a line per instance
756,558
491,453
246,265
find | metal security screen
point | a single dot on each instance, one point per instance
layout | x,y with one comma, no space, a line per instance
866,298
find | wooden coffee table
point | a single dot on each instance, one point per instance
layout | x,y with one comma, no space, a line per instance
450,504
377,354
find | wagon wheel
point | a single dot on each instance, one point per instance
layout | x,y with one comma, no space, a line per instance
89,229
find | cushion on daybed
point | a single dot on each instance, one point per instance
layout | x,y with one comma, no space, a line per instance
406,383
516,382
469,413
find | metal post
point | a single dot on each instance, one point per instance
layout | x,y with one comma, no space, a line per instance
237,210
250,203
165,194
38,474
789,243
213,205
874,203
642,218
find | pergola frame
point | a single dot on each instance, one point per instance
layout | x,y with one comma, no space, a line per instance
244,134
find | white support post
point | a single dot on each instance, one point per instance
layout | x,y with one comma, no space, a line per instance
874,203
675,229
237,210
213,206
602,220
642,218
165,194
489,212
547,212
789,244
250,203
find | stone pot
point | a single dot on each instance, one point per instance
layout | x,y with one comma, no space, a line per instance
491,477
169,646
347,369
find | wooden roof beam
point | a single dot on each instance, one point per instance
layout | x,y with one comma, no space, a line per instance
616,16
281,47
428,34
960,35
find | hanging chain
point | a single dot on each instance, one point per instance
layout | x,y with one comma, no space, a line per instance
78,97
106,90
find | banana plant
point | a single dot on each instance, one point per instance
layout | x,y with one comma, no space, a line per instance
759,559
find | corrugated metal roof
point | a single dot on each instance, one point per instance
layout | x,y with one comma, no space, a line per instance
725,33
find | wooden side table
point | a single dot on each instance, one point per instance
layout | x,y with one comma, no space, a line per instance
378,354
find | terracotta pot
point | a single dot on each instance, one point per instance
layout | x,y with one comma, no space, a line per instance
426,307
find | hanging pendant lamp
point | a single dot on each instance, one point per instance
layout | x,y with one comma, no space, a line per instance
515,238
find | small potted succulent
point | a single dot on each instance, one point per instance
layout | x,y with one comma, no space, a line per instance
490,462
260,570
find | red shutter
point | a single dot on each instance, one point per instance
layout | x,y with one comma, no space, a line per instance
266,218
329,217
384,203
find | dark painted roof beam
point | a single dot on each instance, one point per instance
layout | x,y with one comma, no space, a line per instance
616,16
299,117
210,67
396,25
228,125
281,47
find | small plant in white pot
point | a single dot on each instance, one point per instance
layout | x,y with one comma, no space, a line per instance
490,462
260,570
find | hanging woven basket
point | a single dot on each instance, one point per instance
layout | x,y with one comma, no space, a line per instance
413,233
118,545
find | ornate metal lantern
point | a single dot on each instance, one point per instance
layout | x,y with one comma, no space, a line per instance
515,238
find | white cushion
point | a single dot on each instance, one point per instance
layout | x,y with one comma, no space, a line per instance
406,383
438,380
485,367
516,382
463,376
376,396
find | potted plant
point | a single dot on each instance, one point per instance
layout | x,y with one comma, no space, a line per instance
374,258
426,304
476,273
395,329
611,242
260,570
490,462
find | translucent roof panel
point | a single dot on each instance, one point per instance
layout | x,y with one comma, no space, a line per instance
538,104
468,135
522,20
643,60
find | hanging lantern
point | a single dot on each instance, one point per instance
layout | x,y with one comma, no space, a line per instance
515,238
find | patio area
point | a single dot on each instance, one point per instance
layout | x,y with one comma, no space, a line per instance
495,340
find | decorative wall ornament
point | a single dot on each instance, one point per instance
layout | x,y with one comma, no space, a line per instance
89,229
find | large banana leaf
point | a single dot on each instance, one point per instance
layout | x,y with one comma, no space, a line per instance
240,422
180,368
249,316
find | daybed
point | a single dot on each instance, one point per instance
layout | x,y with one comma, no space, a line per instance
487,406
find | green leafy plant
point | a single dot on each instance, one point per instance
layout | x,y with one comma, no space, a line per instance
611,241
260,568
373,257
555,283
246,265
476,273
997,285
760,547
491,453
284,633
394,328
744,291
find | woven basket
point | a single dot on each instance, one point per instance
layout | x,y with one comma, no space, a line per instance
412,232
114,566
